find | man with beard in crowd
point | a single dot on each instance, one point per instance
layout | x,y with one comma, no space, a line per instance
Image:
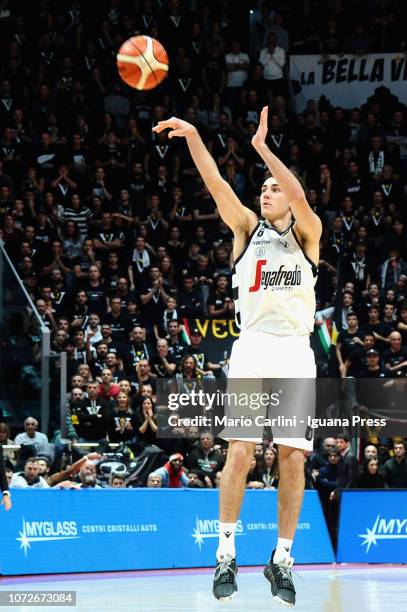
30,477
87,476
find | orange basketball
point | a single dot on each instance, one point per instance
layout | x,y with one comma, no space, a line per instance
142,62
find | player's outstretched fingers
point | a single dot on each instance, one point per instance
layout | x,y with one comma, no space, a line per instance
164,125
175,133
159,128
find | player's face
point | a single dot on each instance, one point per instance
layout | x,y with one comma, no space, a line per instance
273,202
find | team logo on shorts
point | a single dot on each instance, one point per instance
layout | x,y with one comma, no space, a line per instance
259,251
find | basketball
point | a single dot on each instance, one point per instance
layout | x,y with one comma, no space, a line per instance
142,62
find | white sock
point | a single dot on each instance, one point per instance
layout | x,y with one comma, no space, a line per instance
226,546
283,550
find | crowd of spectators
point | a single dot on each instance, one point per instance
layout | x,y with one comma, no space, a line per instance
330,470
117,239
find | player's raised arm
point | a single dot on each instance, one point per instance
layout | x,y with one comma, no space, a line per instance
307,222
232,211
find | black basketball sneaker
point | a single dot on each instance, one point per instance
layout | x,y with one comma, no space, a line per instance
281,581
224,582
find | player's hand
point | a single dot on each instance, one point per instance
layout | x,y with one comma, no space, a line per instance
177,126
259,138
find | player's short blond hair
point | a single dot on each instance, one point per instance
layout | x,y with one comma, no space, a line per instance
297,176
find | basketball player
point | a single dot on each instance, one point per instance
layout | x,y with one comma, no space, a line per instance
274,340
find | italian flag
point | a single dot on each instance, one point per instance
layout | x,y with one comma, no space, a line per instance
327,334
185,331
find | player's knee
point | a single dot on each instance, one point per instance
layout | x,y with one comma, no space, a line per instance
240,456
290,458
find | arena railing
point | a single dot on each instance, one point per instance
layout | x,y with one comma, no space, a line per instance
25,348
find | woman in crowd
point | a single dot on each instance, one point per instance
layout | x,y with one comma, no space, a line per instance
371,477
167,270
268,469
122,425
253,480
146,422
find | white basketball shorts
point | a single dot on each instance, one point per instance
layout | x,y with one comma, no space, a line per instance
260,357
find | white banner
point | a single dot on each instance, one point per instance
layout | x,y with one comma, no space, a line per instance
347,80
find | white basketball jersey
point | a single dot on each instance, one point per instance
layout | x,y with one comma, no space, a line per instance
273,284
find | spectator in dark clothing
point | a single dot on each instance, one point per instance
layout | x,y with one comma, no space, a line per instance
162,363
147,427
392,268
204,460
348,472
117,319
348,340
122,425
318,458
153,298
380,330
371,477
395,359
220,303
89,416
190,299
373,368
395,469
176,345
357,360
327,479
204,365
